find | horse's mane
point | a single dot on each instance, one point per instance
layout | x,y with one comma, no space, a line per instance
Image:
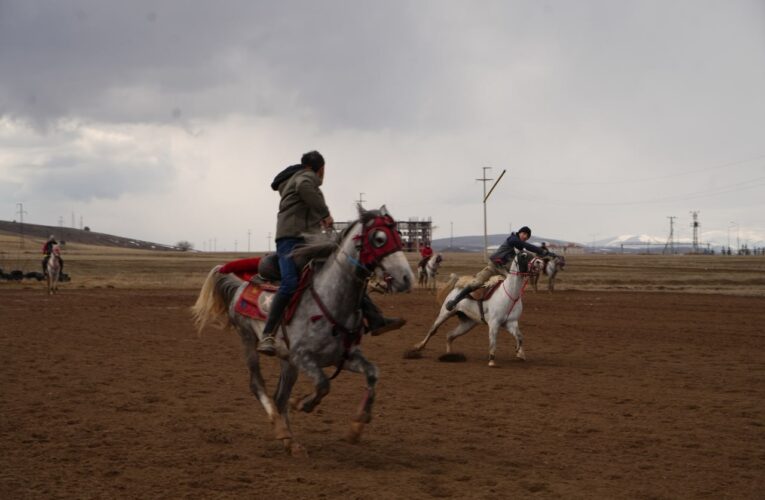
321,245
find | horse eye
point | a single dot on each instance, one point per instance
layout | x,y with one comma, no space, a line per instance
379,238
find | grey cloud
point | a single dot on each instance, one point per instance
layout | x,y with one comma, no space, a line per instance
86,179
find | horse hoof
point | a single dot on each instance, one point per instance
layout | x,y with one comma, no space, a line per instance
354,434
521,355
297,450
492,363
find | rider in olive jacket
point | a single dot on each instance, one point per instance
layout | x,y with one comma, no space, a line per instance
302,211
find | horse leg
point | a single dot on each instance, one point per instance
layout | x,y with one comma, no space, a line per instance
551,284
466,324
513,328
442,317
287,379
534,281
359,364
321,383
493,330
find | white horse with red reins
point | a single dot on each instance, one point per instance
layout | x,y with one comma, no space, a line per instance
427,275
502,309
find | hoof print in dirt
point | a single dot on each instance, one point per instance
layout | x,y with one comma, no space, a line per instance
452,357
412,354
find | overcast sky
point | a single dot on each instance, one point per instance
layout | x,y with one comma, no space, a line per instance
167,121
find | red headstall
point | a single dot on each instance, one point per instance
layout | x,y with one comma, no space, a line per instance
379,238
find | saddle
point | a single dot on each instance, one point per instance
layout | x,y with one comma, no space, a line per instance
485,292
263,275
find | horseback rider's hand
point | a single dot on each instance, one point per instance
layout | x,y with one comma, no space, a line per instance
327,222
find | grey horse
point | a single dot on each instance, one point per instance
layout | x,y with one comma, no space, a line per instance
326,327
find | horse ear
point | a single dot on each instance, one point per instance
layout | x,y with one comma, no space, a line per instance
360,210
384,211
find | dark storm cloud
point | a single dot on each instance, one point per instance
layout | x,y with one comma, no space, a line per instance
355,62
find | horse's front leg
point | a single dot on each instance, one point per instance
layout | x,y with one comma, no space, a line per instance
287,379
512,327
310,366
493,330
359,364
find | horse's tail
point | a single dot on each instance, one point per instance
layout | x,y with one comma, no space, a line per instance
212,304
447,288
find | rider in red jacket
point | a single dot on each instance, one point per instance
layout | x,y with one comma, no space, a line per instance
425,252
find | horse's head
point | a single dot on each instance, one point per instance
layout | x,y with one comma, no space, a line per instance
381,249
439,259
56,249
524,263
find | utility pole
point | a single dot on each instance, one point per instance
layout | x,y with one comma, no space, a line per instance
695,225
671,240
360,201
235,245
248,240
486,195
20,210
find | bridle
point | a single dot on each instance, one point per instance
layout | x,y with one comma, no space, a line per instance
530,271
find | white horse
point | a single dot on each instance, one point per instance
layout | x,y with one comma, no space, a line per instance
502,309
53,269
426,276
550,268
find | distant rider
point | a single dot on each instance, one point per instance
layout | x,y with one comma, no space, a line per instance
302,210
47,250
425,253
498,261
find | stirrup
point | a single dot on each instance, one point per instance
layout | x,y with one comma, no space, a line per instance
267,346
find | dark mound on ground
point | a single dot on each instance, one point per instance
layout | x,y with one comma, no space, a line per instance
452,357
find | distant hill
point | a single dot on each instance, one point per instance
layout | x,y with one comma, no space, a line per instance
82,236
475,243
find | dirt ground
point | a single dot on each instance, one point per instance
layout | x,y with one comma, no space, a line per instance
109,393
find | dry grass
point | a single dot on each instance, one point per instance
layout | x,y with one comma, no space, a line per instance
102,267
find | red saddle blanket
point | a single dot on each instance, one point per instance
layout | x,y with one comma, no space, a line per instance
249,302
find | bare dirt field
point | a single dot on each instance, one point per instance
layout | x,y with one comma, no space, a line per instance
645,378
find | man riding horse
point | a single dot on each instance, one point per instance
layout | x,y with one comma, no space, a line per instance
302,210
498,262
47,250
425,253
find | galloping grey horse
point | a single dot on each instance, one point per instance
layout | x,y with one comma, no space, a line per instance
326,326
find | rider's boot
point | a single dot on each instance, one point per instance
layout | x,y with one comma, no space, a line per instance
461,295
267,345
376,322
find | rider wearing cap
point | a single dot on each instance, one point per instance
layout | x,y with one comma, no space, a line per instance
302,210
47,250
498,261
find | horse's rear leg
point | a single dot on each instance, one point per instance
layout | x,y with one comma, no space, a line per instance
287,379
278,416
466,324
493,330
359,364
442,317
